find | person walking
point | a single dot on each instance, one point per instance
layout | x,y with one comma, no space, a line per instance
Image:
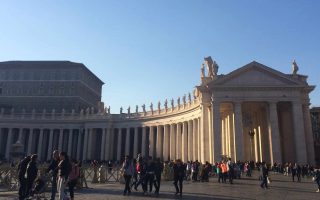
32,172
22,168
127,168
64,168
264,174
317,179
294,171
149,179
53,169
158,171
179,171
73,177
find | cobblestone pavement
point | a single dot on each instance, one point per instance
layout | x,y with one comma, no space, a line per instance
281,187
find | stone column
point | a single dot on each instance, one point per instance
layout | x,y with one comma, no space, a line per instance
1,137
119,144
274,135
216,118
9,143
299,136
112,144
238,131
159,142
80,132
199,138
204,134
107,144
60,140
190,141
49,153
184,142
172,142
103,144
20,135
309,134
70,138
85,144
143,142
40,142
166,144
135,142
89,150
179,142
127,147
195,140
30,139
151,142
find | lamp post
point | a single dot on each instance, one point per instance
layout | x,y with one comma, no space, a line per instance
251,134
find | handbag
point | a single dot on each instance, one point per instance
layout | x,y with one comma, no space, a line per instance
268,180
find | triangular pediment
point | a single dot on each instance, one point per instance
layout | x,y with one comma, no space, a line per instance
254,74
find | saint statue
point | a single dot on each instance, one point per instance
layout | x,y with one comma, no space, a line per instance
151,107
295,67
189,97
159,106
144,108
109,110
202,71
121,110
172,103
128,109
184,99
137,108
212,66
178,101
166,104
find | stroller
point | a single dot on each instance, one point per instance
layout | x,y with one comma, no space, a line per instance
40,186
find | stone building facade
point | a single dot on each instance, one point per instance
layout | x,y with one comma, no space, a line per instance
39,85
253,113
315,120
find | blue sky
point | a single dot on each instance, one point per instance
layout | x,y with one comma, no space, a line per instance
146,51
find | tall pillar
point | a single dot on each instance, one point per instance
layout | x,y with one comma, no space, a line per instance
80,132
127,147
151,142
184,142
179,142
143,142
204,135
60,140
309,134
166,144
119,144
216,131
30,139
135,142
89,150
40,142
238,131
9,143
111,144
85,144
199,138
107,144
49,153
1,137
172,142
190,141
20,135
195,140
70,137
159,142
274,135
103,144
299,136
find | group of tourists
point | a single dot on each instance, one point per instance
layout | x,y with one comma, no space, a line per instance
63,173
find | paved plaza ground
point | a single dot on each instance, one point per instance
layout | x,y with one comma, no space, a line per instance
281,188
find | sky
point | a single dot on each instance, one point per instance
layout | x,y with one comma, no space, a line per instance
148,51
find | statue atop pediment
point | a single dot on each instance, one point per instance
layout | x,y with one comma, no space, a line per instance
212,66
295,67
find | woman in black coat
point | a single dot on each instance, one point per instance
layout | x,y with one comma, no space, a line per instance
32,172
179,171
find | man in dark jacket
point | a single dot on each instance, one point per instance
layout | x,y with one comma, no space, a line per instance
22,168
264,174
158,171
32,172
179,171
53,168
64,167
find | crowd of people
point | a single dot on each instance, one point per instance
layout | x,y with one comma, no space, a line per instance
146,172
63,172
